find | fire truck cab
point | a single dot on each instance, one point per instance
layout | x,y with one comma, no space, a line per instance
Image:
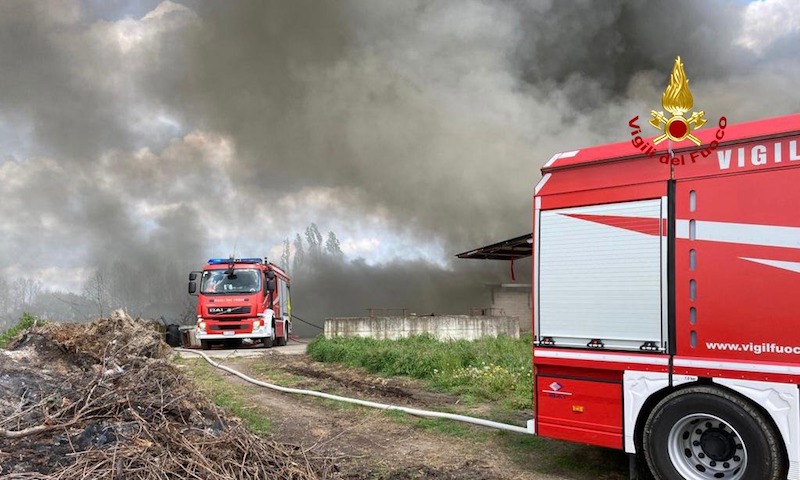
666,308
241,299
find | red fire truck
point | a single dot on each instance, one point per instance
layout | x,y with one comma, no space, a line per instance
666,306
241,298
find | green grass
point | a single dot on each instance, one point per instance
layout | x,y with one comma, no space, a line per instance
233,398
274,375
494,369
25,322
341,406
436,425
447,427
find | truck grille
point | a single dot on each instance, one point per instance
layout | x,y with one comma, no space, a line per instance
228,310
234,326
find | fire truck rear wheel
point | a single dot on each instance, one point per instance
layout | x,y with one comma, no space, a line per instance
706,433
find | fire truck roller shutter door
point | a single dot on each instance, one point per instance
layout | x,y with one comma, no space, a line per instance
282,297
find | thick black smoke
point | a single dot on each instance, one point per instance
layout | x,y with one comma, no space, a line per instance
331,288
162,134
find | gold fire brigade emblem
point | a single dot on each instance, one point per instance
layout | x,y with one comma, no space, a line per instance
677,100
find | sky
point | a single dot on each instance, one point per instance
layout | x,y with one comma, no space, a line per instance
176,131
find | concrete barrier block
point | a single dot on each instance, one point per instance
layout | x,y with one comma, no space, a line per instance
442,327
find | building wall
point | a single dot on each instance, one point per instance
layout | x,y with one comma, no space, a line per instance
514,300
443,327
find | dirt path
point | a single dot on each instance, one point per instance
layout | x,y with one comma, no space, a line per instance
372,444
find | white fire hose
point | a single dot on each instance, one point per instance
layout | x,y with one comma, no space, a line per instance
411,411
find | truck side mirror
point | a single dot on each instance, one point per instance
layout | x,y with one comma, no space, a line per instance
272,285
270,275
192,288
193,276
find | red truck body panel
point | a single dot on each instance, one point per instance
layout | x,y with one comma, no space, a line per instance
580,410
727,239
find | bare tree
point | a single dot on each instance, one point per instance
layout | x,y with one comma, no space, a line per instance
96,289
5,297
62,306
120,286
24,292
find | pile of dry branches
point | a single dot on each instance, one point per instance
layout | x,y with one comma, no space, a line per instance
102,401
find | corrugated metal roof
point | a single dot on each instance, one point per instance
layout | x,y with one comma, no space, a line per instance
511,249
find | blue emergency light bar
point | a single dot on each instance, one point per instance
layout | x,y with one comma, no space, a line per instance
226,261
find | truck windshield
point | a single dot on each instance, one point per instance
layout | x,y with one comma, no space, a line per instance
217,282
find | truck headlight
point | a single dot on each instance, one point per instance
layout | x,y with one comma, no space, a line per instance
201,326
256,324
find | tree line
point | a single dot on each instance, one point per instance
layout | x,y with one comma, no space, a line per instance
150,289
142,291
298,255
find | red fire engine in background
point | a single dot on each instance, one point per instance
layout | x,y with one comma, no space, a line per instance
666,305
241,298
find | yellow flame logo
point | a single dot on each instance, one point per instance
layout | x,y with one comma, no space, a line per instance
677,100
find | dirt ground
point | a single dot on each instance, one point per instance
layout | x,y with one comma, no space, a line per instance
373,444
103,400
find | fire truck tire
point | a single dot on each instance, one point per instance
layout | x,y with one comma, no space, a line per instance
705,433
269,342
282,340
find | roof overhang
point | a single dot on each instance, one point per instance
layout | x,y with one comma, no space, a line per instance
511,249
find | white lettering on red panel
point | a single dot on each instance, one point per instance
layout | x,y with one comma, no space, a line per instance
758,155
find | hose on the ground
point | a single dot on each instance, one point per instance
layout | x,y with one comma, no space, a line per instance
365,403
307,323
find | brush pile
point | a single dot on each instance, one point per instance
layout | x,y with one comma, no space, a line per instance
101,401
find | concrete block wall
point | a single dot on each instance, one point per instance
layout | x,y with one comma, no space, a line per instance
443,327
515,301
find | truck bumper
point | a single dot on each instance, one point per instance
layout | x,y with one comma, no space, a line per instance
265,331
222,336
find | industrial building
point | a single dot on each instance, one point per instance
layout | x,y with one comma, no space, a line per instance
508,299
